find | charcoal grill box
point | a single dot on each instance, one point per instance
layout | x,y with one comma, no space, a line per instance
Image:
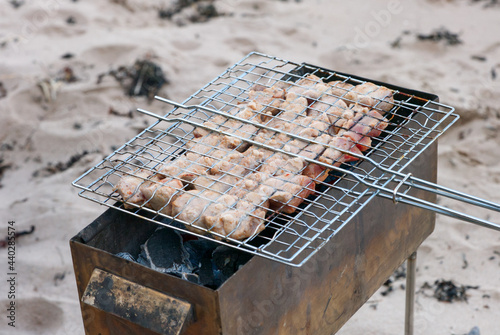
264,296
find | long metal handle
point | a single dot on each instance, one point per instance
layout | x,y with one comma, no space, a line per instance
385,192
444,192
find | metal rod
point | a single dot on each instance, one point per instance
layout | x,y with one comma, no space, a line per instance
411,271
384,191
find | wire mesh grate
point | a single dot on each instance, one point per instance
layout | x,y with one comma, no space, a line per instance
296,230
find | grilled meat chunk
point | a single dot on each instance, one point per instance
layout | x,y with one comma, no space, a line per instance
378,97
129,188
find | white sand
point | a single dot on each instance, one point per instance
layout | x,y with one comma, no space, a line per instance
348,36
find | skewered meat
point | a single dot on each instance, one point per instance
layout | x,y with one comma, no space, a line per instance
187,167
336,153
279,164
240,223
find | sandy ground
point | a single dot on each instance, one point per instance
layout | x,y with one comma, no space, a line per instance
376,39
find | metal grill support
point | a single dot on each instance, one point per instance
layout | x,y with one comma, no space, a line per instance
411,272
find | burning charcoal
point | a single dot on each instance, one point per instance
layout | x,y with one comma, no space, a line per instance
200,256
227,261
164,252
126,255
199,250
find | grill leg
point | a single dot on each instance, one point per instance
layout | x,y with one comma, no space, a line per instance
411,270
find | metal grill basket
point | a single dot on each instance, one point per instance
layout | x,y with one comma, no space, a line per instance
415,121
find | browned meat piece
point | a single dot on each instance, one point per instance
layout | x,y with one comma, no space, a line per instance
248,215
239,164
218,182
311,151
290,191
269,97
160,194
303,85
240,223
279,164
333,156
204,145
129,188
294,106
315,92
225,173
344,91
216,121
192,206
378,97
187,167
366,126
331,106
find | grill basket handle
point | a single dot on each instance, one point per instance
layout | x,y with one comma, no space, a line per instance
412,182
398,177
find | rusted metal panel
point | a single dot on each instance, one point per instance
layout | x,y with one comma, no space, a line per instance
90,250
265,297
146,307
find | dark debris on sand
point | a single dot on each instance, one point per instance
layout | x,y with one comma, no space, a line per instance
194,11
441,35
448,291
398,275
16,3
51,168
487,3
3,166
3,90
5,241
144,78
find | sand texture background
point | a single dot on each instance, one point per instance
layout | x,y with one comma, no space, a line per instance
60,115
